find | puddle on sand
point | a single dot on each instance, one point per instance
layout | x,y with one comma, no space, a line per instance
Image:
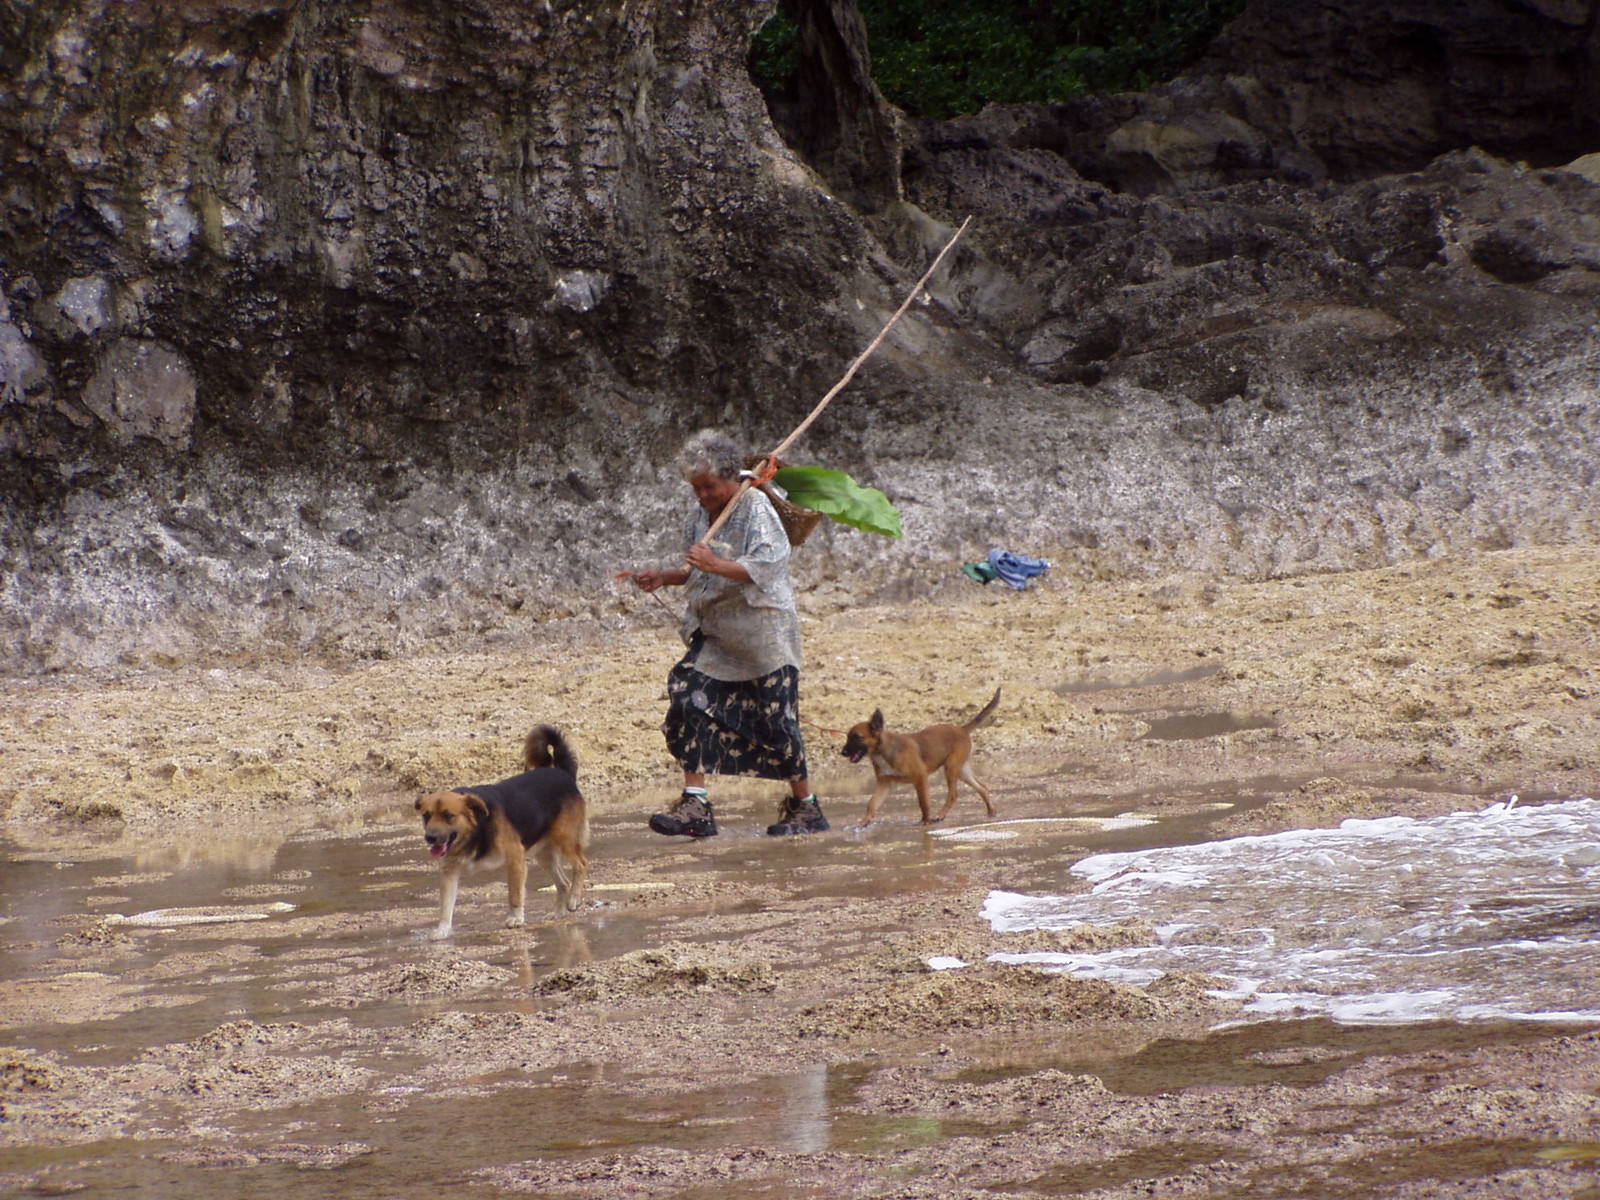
532,1133
363,904
1176,725
366,1149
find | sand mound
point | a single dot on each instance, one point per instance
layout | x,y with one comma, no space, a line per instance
976,998
663,970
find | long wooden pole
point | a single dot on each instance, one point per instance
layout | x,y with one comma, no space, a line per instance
747,484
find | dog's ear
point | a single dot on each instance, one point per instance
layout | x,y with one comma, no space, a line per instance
477,807
876,723
418,805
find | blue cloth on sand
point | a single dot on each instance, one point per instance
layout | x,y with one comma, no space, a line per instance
1016,569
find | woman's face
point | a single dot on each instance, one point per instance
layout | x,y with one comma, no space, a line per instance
713,491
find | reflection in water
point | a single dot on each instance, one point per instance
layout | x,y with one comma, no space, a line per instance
254,853
805,1120
1468,916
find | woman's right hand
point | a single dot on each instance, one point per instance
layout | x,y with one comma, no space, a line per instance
649,579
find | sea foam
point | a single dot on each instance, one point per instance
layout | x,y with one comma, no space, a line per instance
1470,916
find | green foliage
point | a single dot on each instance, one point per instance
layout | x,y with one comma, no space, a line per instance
773,53
938,58
840,497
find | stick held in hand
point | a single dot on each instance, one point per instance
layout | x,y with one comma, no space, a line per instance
840,386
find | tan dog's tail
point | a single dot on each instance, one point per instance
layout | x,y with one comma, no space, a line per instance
545,747
988,711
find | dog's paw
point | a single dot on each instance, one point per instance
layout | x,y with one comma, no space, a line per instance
516,920
442,932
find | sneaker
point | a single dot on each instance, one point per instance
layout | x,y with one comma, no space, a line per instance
691,816
799,816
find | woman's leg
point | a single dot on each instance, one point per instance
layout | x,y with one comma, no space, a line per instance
684,729
801,813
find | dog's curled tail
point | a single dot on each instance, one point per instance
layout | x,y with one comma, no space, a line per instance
988,711
545,747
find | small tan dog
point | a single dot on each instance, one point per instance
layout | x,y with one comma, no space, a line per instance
913,757
497,824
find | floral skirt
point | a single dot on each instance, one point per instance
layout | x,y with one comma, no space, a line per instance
746,727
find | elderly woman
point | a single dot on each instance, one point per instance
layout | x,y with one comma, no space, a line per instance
733,700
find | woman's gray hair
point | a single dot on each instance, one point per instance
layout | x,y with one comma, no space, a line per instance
710,452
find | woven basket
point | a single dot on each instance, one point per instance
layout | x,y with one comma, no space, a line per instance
797,522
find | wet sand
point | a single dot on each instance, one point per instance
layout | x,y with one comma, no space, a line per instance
751,1017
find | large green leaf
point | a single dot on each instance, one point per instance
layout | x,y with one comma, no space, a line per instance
840,497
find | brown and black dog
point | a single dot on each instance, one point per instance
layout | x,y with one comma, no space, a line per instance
495,824
913,757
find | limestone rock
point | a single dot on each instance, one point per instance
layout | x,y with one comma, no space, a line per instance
143,389
330,329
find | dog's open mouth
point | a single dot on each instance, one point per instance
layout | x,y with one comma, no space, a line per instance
854,756
440,847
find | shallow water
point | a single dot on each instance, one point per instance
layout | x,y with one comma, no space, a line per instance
373,1144
322,902
345,886
1492,914
369,1146
1186,726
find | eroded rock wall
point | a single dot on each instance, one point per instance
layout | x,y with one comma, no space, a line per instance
286,286
360,223
334,328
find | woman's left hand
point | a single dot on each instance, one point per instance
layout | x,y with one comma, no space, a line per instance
703,558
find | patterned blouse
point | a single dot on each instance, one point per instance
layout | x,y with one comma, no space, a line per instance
750,629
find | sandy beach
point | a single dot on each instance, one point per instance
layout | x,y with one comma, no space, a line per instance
749,1016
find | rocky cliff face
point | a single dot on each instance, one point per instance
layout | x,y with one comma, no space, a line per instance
312,305
333,327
